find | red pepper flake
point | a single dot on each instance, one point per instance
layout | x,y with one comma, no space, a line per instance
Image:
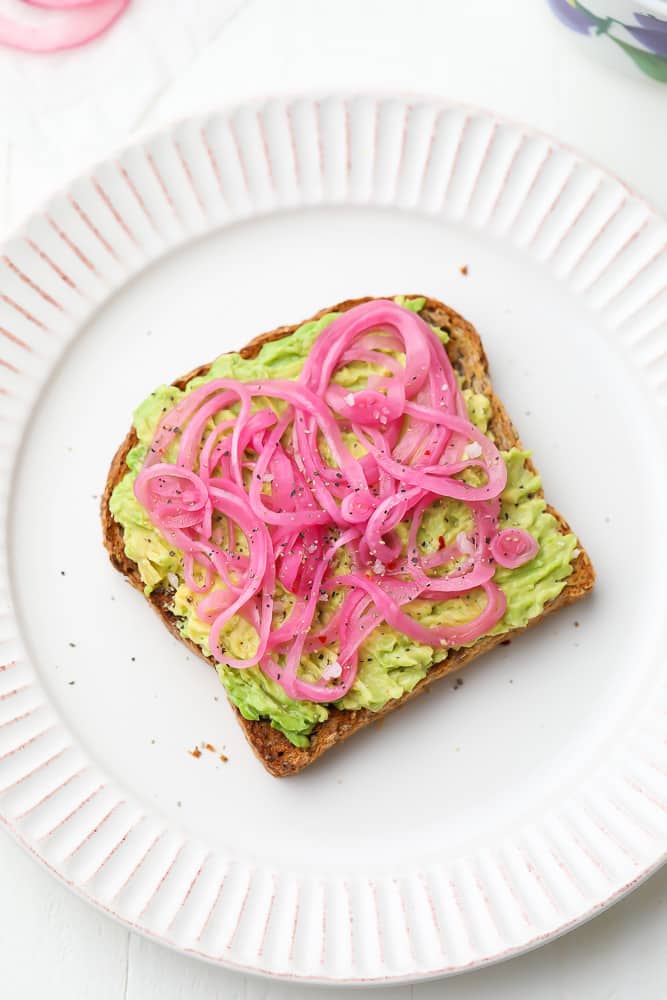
322,638
427,452
195,753
441,542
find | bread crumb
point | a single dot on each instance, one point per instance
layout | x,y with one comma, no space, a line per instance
209,747
464,270
195,753
224,758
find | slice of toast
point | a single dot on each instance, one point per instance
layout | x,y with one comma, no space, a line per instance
279,756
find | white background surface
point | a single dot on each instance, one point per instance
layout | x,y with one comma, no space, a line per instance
509,57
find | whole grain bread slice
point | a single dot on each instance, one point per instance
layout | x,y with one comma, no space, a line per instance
277,754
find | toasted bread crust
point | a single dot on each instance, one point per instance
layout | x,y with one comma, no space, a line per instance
274,750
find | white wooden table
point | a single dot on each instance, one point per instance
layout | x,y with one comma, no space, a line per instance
507,56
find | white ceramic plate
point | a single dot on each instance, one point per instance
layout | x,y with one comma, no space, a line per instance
475,823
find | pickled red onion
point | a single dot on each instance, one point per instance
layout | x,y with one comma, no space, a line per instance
512,548
263,474
65,26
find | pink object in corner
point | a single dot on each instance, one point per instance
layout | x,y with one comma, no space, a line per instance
67,24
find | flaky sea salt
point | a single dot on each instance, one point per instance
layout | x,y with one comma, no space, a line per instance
331,671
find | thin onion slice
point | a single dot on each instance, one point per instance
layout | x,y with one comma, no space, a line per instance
60,4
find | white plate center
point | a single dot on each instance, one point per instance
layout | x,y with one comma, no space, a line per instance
453,768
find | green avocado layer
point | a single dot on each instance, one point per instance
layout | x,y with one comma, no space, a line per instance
390,663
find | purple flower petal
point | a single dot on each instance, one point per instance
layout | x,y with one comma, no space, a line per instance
572,17
650,22
654,41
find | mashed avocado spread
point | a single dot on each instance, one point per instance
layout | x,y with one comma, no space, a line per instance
389,663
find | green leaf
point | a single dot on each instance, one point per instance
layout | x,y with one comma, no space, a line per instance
649,63
602,24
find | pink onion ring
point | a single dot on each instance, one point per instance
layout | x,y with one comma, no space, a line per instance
512,548
64,27
60,4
